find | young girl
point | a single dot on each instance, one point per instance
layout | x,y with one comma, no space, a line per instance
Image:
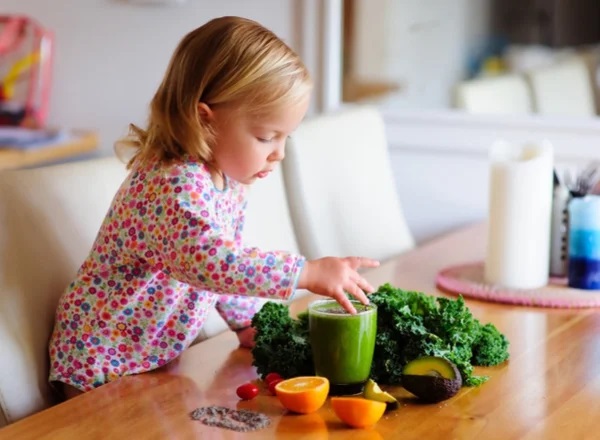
170,247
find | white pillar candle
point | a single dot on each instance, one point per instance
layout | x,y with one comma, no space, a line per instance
520,206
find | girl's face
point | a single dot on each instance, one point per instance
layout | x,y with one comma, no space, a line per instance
248,147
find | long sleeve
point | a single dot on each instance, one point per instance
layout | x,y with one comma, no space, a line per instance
194,237
237,310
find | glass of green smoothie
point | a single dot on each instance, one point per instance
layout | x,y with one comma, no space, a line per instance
342,344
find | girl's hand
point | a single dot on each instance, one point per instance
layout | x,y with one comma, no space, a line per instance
246,337
332,277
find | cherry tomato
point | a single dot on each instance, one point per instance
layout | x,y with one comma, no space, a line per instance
272,376
272,385
247,391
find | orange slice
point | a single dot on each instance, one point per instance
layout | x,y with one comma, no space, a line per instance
357,411
304,394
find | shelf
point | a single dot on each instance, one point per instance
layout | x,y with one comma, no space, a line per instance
81,143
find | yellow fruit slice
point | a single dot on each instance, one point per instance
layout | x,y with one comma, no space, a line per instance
374,392
304,394
357,411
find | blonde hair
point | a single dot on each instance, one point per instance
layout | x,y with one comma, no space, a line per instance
229,60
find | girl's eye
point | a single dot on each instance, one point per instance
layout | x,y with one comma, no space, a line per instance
265,141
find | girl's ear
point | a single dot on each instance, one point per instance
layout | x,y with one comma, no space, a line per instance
205,112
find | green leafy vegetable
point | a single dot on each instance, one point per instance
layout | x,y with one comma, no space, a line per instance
412,324
490,347
281,343
409,325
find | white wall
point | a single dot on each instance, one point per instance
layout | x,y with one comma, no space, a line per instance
423,45
111,55
440,160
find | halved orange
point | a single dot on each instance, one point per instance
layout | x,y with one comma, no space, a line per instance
357,412
304,394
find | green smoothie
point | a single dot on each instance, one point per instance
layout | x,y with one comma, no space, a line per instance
342,344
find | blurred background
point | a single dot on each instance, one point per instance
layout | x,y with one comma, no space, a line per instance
416,53
109,55
450,77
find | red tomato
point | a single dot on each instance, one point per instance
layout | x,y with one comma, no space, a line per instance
272,385
247,391
272,376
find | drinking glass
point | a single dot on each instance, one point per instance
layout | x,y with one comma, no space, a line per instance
342,343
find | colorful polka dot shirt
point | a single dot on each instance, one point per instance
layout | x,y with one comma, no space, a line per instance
169,249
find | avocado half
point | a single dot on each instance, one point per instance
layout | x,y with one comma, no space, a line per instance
374,392
431,378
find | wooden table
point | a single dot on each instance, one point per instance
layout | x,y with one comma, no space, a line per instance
80,143
549,389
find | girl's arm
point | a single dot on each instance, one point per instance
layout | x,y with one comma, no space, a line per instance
209,262
191,246
237,310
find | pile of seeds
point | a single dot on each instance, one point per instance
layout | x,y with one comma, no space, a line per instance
236,420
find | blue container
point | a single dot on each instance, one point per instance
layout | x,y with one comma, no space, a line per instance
584,242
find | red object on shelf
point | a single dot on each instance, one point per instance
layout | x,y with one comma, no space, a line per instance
25,71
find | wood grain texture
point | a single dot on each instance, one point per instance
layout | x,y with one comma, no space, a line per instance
549,389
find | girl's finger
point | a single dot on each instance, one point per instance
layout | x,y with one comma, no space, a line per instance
364,284
341,298
357,292
357,262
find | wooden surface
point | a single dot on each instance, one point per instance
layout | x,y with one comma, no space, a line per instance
82,142
549,389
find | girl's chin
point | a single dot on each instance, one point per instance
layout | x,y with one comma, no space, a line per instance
247,180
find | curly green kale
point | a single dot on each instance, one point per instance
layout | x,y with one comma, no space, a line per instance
409,325
490,347
281,343
412,324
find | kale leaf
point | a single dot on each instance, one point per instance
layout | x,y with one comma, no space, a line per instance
281,343
409,325
490,347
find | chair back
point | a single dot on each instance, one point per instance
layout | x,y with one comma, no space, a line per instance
340,187
268,221
505,94
564,89
49,218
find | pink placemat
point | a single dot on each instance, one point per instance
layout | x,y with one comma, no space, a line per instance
467,279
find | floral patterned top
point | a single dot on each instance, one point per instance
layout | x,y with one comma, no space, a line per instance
169,248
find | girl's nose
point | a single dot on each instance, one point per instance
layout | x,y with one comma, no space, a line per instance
279,153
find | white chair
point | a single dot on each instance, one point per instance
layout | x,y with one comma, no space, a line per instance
268,221
49,218
340,187
505,94
564,89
